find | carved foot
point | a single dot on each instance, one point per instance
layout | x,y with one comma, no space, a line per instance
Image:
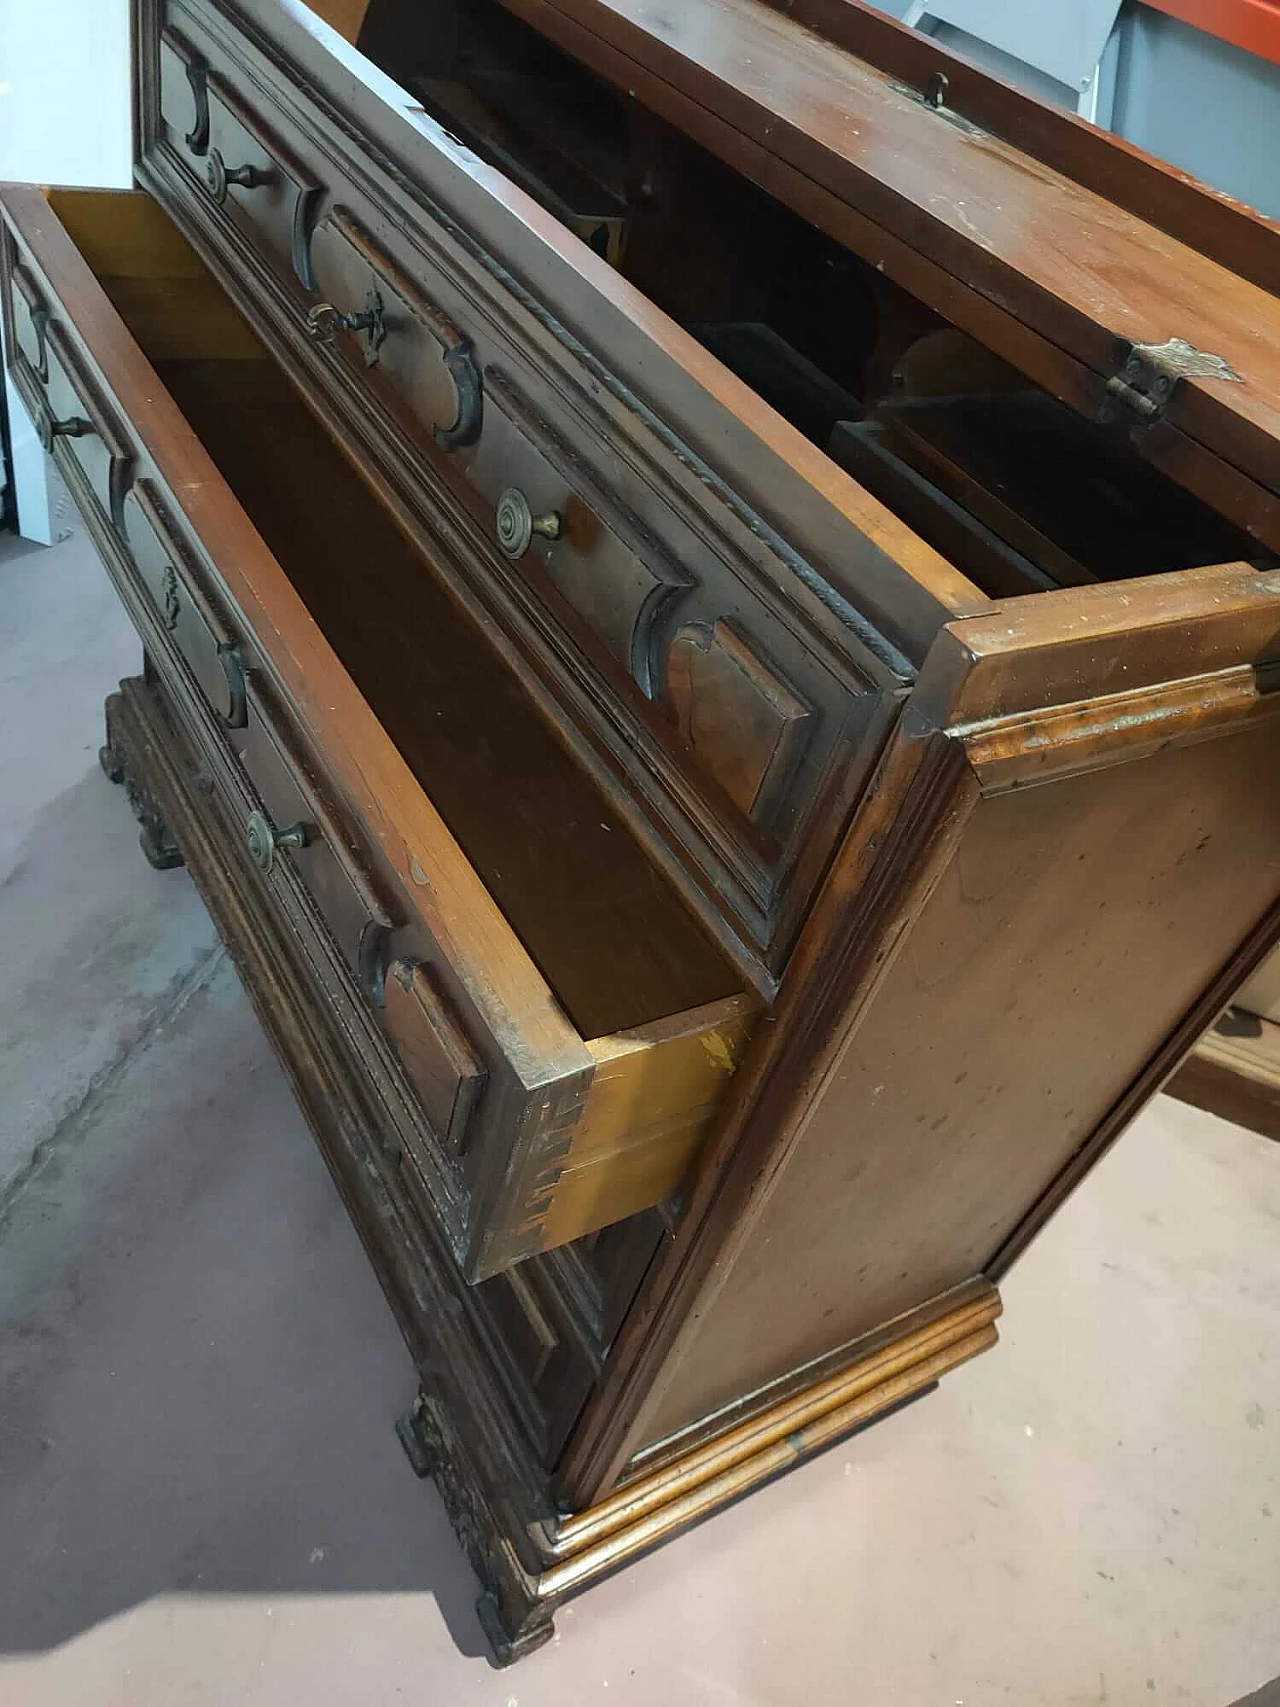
158,846
511,1645
120,763
418,1449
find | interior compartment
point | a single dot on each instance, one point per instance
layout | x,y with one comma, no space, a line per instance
606,929
1016,489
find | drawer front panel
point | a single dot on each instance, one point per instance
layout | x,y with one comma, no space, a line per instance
294,827
296,824
546,1367
609,1265
238,165
79,426
682,645
30,322
500,1084
74,420
377,317
439,1057
688,637
173,587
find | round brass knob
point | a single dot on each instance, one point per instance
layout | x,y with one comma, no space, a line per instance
220,175
516,523
265,841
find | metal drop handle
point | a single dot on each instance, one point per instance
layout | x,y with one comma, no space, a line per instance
74,427
220,175
516,523
265,841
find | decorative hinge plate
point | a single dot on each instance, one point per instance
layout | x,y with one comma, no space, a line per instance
1141,388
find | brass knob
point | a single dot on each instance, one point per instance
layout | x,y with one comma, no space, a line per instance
265,841
74,427
517,524
220,175
324,322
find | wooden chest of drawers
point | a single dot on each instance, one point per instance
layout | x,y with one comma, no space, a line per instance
724,708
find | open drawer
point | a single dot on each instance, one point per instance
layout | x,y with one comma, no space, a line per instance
563,1020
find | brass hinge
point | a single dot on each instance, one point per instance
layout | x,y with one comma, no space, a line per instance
1140,390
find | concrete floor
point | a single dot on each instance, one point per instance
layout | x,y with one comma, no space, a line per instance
201,1497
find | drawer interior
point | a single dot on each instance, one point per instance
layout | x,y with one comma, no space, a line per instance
607,930
1016,489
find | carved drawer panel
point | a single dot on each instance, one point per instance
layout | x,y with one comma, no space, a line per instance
337,689
242,170
297,824
439,1056
734,695
415,359
540,1353
173,584
73,418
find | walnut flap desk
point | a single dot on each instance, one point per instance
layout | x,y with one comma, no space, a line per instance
708,577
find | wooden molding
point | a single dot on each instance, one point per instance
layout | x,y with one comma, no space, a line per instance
577,1549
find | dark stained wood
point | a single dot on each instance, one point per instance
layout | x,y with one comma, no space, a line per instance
710,941
1080,505
952,853
1038,247
641,552
989,560
743,722
380,890
1163,196
597,919
705,415
444,1067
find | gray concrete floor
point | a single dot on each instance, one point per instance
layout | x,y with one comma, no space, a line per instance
201,1497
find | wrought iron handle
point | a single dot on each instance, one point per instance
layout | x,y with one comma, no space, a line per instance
220,175
40,326
517,524
265,841
74,427
324,322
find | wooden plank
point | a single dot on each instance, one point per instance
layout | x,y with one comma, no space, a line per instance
650,1105
1162,195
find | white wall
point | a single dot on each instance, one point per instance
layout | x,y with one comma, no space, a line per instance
65,101
66,117
1181,94
1202,104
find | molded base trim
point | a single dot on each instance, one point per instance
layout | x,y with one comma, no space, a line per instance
579,1549
529,1556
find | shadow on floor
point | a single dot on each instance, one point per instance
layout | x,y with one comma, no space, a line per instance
198,1373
